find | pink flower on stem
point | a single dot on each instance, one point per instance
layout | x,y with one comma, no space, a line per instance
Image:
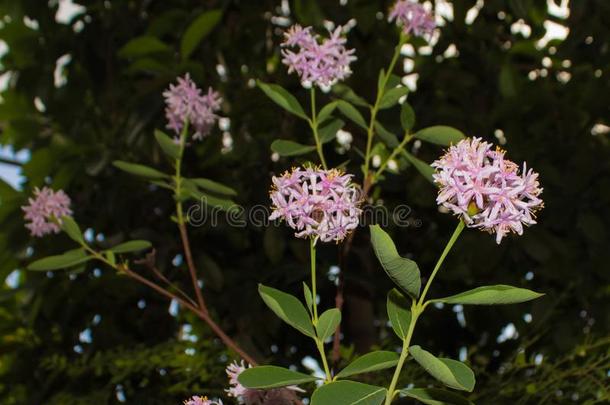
317,203
319,62
45,211
412,17
185,102
248,396
201,401
486,190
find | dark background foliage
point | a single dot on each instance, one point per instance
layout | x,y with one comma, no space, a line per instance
95,337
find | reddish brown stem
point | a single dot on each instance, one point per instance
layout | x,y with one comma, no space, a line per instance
197,311
191,265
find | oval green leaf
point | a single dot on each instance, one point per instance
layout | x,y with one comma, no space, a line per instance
139,170
167,144
290,148
308,297
68,259
288,308
492,295
391,97
71,228
348,393
144,45
422,167
326,111
329,131
404,272
452,373
283,98
214,186
398,313
407,116
265,377
198,30
386,136
131,246
327,323
373,361
352,113
435,396
440,135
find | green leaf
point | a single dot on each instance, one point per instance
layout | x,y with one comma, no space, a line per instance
347,94
110,257
404,272
68,259
131,246
142,46
198,30
348,393
213,186
386,136
440,135
212,201
327,323
422,167
352,113
398,313
435,396
71,228
288,308
329,131
492,295
452,373
266,377
380,80
283,98
326,111
308,297
407,117
290,148
167,144
391,97
373,361
139,170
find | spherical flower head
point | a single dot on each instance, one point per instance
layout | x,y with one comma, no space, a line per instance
201,401
318,61
45,211
485,189
412,17
318,204
248,396
186,102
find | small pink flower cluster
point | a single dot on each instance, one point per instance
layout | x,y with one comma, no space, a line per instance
412,17
485,189
322,204
201,401
317,62
45,211
185,102
247,396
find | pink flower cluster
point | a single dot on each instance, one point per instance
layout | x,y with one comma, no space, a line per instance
317,203
185,101
412,17
317,62
485,189
45,211
247,396
201,401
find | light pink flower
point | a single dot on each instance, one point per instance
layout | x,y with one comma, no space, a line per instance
317,203
412,17
486,190
185,101
201,401
45,211
248,396
319,62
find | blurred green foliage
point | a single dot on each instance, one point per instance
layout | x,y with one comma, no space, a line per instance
104,101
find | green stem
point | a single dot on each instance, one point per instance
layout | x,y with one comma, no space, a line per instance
319,343
395,152
416,310
375,108
314,127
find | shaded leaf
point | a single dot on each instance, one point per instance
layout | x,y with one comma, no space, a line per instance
422,167
440,135
71,228
327,323
452,373
398,313
352,113
288,308
282,98
373,361
492,295
198,30
143,45
386,136
390,97
404,272
265,377
65,260
290,148
348,393
167,144
329,131
347,94
139,170
131,246
213,186
407,116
